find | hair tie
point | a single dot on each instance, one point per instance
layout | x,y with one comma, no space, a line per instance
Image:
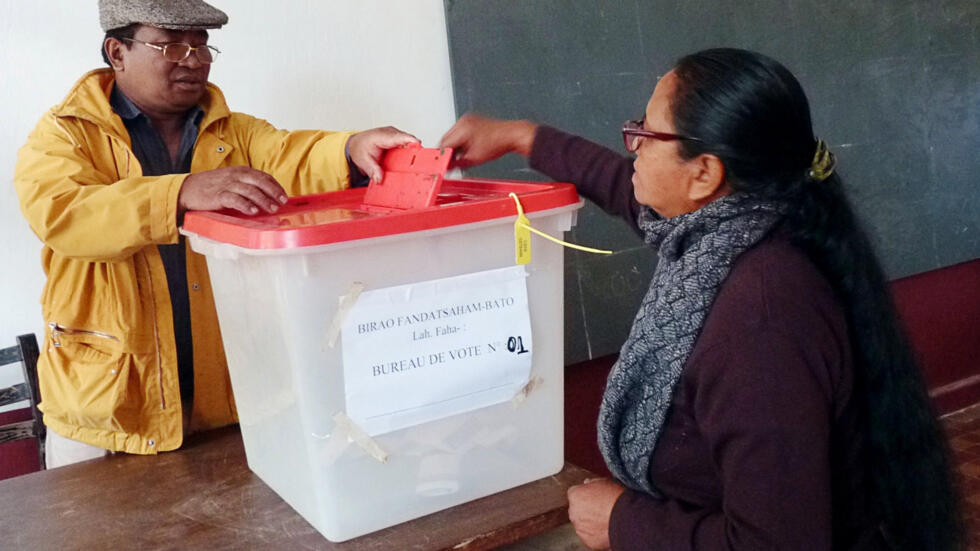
823,163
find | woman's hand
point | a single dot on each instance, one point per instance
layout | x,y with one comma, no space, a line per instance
477,140
589,507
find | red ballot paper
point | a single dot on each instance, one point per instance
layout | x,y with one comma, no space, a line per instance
412,178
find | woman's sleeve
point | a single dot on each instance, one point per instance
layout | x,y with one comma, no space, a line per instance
600,174
762,410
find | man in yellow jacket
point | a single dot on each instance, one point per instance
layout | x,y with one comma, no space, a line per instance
132,356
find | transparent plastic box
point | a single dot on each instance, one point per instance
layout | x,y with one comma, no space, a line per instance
278,283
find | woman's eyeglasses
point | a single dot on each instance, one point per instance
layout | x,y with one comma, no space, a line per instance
633,131
179,51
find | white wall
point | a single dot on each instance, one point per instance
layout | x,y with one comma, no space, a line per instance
350,64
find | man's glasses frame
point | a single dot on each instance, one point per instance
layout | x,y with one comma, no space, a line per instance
633,131
175,52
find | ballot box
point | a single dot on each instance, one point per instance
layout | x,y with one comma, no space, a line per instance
389,356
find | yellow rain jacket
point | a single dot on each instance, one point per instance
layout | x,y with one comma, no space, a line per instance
108,365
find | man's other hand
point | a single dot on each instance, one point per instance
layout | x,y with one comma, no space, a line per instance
239,187
365,148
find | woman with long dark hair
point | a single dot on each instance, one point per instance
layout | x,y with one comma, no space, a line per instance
765,397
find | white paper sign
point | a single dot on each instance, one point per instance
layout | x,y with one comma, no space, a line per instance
424,351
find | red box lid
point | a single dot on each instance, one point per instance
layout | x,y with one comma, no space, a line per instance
342,215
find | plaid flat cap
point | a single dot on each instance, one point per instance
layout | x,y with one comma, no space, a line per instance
178,15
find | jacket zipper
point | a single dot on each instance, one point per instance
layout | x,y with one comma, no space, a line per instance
149,275
57,330
156,331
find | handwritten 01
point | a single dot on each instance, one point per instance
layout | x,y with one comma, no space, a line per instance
516,345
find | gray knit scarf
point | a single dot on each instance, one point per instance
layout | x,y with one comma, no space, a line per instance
696,251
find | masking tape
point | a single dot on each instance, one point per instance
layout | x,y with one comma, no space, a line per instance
521,395
344,426
346,303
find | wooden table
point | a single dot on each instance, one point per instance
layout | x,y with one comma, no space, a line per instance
205,497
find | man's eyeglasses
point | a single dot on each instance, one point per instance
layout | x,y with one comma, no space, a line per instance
633,131
179,51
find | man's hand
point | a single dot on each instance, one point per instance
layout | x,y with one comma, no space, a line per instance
365,148
239,187
477,140
589,507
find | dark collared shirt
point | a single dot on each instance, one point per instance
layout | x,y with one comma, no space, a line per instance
154,157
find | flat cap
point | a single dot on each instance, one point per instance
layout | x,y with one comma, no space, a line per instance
178,15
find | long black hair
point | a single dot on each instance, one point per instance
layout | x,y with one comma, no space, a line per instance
752,113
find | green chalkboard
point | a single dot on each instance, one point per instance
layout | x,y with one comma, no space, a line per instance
894,86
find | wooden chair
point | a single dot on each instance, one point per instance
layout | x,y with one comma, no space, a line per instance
26,351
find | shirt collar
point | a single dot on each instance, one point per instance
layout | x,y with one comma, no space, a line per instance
125,108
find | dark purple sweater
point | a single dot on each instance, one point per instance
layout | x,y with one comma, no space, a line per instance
759,450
